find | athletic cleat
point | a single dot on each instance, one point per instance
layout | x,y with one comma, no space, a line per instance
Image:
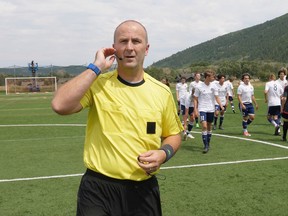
205,150
214,127
277,131
246,133
190,136
184,136
220,127
284,139
197,125
234,111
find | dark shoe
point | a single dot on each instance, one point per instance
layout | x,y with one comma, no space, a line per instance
284,139
277,131
234,111
206,149
220,127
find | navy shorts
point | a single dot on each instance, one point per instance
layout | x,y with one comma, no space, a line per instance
190,110
248,111
101,195
274,110
217,107
207,116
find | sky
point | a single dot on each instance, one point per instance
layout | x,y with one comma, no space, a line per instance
69,32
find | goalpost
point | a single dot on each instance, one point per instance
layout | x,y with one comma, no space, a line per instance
18,85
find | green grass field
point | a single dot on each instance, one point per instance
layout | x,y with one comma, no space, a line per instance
41,165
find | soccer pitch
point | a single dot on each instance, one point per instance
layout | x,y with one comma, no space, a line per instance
41,164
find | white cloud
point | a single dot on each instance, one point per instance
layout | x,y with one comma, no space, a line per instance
66,32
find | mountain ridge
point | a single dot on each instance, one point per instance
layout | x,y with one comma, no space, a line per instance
263,42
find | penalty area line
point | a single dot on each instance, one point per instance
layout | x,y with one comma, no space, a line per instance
162,168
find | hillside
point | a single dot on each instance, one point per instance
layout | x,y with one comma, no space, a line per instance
265,42
44,71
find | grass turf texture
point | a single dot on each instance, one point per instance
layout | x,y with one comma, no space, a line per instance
250,188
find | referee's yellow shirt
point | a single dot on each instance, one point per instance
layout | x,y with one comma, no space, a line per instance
124,121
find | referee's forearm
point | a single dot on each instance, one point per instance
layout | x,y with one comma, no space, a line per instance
174,141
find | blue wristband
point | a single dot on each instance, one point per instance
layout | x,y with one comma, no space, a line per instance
94,68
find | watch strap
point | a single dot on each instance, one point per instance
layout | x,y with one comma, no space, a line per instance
94,68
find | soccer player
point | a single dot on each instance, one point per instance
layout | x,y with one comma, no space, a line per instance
284,113
165,81
282,81
229,83
204,105
192,87
129,134
181,89
281,77
223,96
272,94
189,115
246,96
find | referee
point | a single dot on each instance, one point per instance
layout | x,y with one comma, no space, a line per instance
132,128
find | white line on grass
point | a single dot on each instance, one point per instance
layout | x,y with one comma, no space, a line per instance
224,163
162,168
45,138
44,125
248,139
23,109
39,178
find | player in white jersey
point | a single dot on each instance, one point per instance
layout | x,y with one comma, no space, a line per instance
272,93
230,86
282,81
223,96
189,109
204,104
181,89
192,87
284,113
281,77
246,96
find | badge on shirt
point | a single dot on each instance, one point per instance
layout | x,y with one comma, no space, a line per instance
151,128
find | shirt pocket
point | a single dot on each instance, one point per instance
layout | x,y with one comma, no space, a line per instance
150,122
112,118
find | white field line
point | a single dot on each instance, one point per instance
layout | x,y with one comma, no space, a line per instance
39,178
224,163
44,125
37,139
162,168
248,139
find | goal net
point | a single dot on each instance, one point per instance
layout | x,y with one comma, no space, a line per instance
18,85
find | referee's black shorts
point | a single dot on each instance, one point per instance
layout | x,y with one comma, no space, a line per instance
100,195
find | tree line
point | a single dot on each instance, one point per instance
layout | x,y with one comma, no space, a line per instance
257,69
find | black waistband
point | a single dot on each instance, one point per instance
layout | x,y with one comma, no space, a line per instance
151,180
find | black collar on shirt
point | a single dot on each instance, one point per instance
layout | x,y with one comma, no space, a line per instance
130,84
